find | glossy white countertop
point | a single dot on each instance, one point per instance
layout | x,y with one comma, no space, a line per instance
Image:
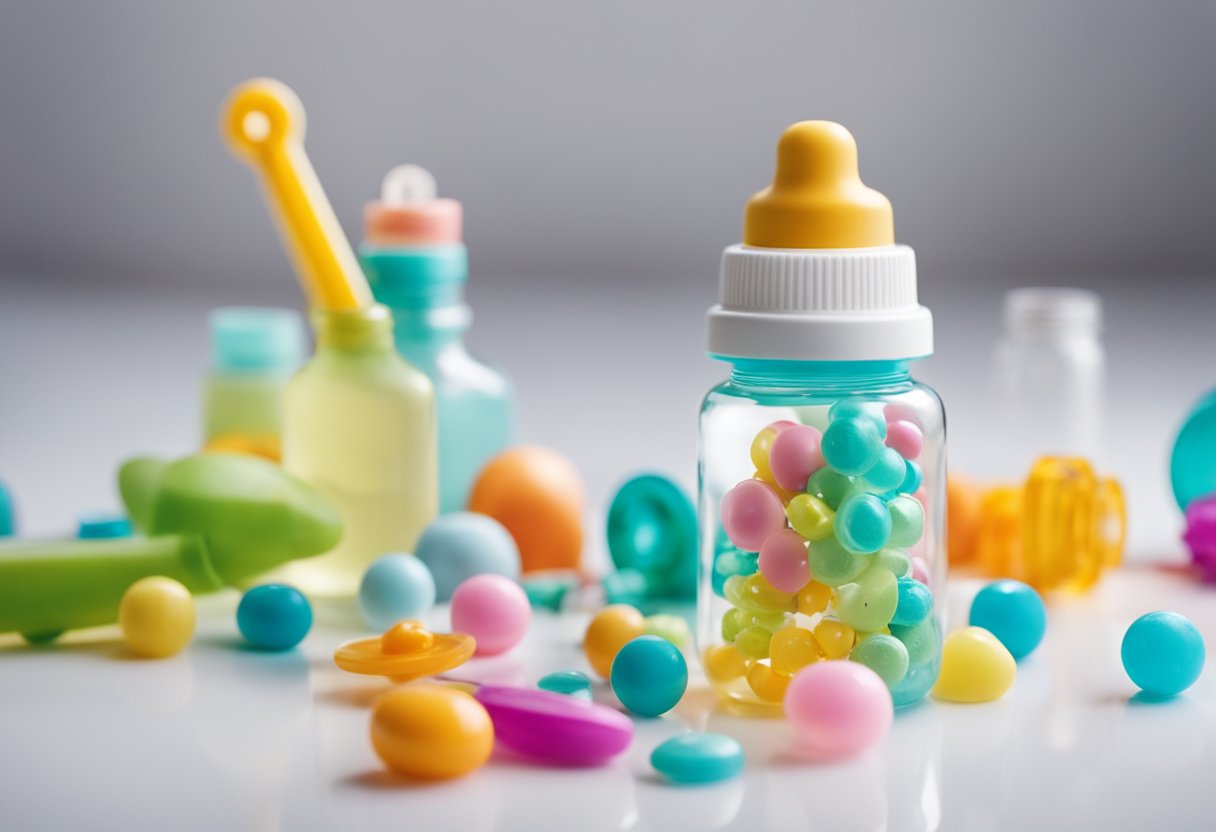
223,737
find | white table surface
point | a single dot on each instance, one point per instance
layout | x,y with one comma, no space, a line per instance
223,737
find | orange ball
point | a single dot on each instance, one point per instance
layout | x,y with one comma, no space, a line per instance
963,501
612,628
431,732
537,494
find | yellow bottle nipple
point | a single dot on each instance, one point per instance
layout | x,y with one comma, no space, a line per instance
817,199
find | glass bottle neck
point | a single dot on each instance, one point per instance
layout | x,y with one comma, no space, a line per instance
843,376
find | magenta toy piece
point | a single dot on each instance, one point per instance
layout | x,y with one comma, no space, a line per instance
1200,535
555,729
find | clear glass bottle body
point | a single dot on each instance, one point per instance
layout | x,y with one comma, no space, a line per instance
735,636
360,425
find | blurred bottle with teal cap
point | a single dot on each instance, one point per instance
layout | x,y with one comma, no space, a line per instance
254,352
417,265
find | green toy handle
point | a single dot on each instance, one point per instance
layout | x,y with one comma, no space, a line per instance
49,587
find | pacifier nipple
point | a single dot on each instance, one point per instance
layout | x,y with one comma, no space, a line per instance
406,637
817,199
408,183
409,212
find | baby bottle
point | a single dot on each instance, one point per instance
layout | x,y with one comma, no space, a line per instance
822,461
417,265
254,353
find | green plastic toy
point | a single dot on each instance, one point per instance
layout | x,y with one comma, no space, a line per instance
211,521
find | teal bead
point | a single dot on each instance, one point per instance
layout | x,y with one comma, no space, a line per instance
863,524
830,486
922,641
1014,613
698,758
832,564
567,682
895,561
626,586
885,655
915,603
888,473
649,676
916,684
730,562
912,478
907,520
547,593
274,617
868,603
1163,653
860,409
851,446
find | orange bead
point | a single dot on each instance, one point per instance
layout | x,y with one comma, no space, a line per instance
537,494
724,663
835,638
431,732
791,649
767,683
963,501
814,598
611,629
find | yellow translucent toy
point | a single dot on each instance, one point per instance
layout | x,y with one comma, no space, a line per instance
814,598
431,732
612,628
817,199
1060,530
976,667
723,663
761,446
756,594
810,516
406,651
753,643
766,683
791,649
835,638
156,616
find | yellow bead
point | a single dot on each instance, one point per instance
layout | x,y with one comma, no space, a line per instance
724,663
835,638
813,598
762,596
431,732
976,667
753,643
611,629
761,445
791,649
157,617
766,683
810,516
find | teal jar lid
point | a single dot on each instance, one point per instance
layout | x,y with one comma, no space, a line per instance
415,277
652,528
250,338
1193,461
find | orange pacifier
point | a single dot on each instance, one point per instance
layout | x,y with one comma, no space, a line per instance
405,652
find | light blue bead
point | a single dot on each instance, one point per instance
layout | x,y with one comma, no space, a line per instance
851,446
861,409
863,524
888,473
649,675
462,544
395,587
567,682
1014,613
913,477
915,603
907,520
915,685
274,616
698,758
1163,653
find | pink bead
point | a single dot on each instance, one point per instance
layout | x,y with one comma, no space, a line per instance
894,412
780,425
906,438
783,560
795,456
751,511
494,610
839,709
920,570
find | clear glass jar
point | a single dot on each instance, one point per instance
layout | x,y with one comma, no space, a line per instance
751,644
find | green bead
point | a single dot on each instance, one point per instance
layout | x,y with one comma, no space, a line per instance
810,516
907,520
895,561
885,655
673,628
868,603
863,524
829,486
832,564
753,642
756,594
921,640
735,621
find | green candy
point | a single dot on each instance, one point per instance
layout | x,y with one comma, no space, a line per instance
832,564
810,516
671,628
921,640
830,486
885,655
895,561
736,621
907,520
753,642
868,604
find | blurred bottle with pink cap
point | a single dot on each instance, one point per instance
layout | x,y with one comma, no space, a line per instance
416,262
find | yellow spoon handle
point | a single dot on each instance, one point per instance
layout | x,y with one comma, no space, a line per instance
263,124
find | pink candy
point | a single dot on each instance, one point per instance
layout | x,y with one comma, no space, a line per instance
783,560
906,438
494,610
838,708
795,456
751,511
920,570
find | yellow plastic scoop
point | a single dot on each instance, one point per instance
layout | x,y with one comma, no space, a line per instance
263,124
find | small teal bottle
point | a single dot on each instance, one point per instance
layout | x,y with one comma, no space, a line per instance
417,265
